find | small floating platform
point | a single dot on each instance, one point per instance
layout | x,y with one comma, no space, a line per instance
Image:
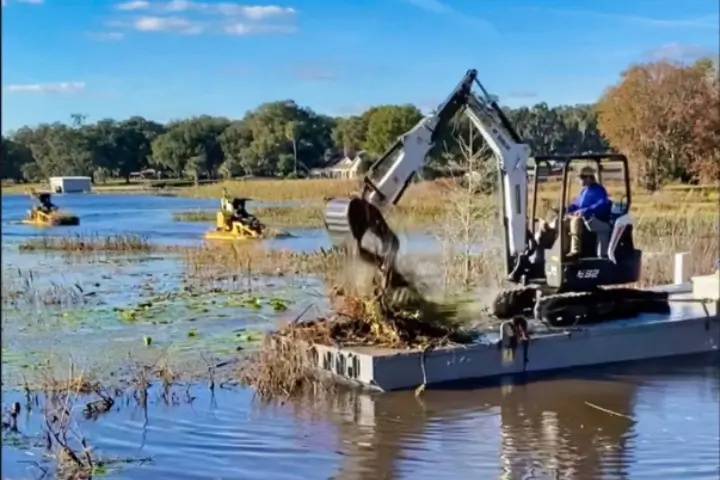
691,327
54,219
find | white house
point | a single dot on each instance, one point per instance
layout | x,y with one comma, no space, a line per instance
345,168
70,184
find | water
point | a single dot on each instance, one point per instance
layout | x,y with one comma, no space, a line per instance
151,215
659,421
651,420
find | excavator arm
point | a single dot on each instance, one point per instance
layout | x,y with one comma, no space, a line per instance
388,178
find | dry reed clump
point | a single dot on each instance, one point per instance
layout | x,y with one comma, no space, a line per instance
114,243
208,261
661,237
194,216
23,288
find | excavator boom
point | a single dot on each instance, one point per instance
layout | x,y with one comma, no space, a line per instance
388,178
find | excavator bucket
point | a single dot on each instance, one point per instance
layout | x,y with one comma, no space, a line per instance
361,223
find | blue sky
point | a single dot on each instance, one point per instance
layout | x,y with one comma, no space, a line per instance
171,59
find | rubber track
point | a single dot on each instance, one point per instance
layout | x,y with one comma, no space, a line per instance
582,308
514,302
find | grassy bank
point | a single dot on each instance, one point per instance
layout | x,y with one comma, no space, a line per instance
312,216
424,204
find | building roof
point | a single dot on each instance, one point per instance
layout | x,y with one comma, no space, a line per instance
345,162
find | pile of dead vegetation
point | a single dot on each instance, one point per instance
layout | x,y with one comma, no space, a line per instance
397,315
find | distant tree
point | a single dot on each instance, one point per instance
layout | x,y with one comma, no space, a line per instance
386,123
664,115
660,114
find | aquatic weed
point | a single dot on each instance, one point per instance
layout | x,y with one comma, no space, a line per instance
81,243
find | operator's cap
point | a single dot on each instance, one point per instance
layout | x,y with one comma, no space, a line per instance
587,172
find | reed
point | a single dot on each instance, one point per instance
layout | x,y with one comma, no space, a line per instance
114,243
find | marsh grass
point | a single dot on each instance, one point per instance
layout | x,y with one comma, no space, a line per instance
661,237
84,243
25,288
407,216
241,259
194,216
275,190
462,268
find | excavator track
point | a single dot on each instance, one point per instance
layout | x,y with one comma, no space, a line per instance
515,302
602,305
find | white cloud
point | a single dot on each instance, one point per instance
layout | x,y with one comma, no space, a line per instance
193,17
254,12
62,87
31,2
228,9
107,35
522,94
133,5
440,8
708,21
254,29
678,51
167,24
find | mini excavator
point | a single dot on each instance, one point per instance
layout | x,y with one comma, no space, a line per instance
551,286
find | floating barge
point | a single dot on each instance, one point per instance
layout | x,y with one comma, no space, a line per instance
691,327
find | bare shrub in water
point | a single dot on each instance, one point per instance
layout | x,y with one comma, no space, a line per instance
469,239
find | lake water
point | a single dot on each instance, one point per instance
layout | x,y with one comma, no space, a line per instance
151,215
651,420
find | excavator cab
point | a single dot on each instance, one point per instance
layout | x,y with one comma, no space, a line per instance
611,260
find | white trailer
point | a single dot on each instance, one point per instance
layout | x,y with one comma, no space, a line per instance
70,184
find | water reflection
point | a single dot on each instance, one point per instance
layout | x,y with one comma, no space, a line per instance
564,427
656,421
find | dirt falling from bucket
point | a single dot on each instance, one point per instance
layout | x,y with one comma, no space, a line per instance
395,316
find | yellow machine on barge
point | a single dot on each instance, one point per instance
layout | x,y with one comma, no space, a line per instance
46,214
233,222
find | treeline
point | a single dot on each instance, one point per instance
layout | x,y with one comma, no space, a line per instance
669,137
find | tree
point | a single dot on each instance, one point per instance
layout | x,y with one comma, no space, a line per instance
291,131
13,158
349,134
191,146
655,114
665,116
386,123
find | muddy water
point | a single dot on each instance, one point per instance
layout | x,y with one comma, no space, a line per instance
656,420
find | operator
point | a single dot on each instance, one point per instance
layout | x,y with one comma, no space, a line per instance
591,209
46,205
242,215
225,204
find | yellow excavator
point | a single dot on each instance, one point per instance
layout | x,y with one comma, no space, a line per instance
233,222
46,214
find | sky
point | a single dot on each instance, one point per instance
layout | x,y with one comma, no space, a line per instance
171,59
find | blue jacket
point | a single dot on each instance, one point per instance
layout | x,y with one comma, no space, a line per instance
592,201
